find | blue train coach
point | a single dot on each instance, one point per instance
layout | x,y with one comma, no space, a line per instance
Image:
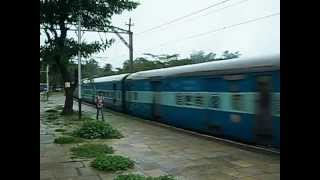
111,88
238,99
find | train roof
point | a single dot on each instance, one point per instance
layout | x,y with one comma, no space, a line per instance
110,78
230,66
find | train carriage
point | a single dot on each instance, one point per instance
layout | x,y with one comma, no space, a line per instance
111,88
237,99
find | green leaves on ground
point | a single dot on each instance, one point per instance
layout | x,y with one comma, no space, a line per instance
60,130
52,111
140,177
112,163
97,129
67,140
91,150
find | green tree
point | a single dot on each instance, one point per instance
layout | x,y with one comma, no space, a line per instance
107,70
58,16
90,68
230,55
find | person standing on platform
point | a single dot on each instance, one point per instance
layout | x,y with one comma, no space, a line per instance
99,105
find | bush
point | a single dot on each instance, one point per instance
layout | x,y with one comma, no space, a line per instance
67,140
52,111
140,177
60,130
91,150
59,107
53,117
97,129
75,117
112,163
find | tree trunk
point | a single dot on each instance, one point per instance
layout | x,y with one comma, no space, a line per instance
68,103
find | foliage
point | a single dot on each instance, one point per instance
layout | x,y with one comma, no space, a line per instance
153,61
67,140
52,111
140,177
59,107
56,20
52,116
60,130
75,117
97,129
112,163
91,150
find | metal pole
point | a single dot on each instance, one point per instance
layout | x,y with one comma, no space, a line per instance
48,88
47,77
79,66
130,47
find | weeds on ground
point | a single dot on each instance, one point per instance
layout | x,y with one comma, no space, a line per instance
112,163
91,150
67,140
140,177
52,117
52,111
60,130
97,129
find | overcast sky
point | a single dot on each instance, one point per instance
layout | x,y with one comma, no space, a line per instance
256,38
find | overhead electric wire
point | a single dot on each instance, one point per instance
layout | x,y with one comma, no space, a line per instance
211,12
218,29
183,17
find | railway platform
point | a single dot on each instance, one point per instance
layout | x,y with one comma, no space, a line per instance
156,150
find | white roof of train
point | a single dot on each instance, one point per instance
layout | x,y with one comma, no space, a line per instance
231,65
110,78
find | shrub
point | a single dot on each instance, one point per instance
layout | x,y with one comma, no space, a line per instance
140,177
52,111
60,130
59,107
112,163
67,140
97,129
91,150
52,117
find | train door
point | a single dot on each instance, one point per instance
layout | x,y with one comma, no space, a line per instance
156,100
114,94
263,110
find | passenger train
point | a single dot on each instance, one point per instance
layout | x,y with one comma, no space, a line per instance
236,99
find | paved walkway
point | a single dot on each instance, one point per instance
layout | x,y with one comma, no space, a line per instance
156,151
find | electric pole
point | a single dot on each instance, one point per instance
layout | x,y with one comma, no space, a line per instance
130,46
79,65
48,88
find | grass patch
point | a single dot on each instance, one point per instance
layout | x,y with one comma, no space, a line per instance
112,163
140,177
67,140
91,150
97,129
59,108
75,117
60,130
52,111
52,117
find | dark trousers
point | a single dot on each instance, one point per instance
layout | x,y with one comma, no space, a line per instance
100,110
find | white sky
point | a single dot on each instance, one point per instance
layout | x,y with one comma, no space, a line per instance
256,38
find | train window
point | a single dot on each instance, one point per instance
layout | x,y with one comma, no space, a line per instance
188,100
135,96
129,96
215,101
179,99
236,102
199,100
118,95
276,105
